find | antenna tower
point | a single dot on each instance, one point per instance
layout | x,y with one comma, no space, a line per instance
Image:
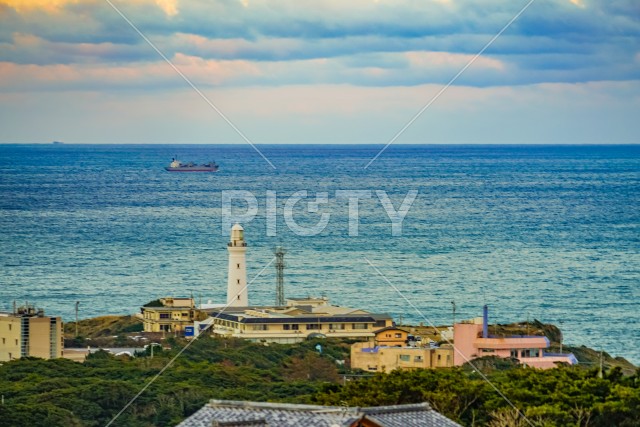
279,252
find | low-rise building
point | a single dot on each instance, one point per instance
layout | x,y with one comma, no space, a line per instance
299,319
170,315
391,336
472,340
374,358
27,332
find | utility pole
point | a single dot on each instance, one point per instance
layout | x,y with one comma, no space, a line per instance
561,336
77,304
453,308
279,252
600,375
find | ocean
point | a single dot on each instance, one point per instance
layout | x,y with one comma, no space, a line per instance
536,232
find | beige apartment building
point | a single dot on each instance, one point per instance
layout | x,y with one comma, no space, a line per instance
375,358
28,332
173,316
300,319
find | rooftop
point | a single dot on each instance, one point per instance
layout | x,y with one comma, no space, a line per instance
238,413
300,312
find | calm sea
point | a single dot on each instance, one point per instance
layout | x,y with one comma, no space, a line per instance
536,232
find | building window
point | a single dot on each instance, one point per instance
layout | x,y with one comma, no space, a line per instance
16,341
290,327
313,327
10,325
238,265
238,281
488,350
514,354
405,357
381,323
164,315
398,335
439,357
260,327
339,326
359,326
418,359
185,314
530,352
372,368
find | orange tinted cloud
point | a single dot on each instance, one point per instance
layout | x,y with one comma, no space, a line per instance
169,7
25,6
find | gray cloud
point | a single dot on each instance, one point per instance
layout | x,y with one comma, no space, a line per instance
362,42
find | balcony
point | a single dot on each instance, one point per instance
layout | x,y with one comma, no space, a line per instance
512,342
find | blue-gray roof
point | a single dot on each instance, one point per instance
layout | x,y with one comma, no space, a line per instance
237,413
359,318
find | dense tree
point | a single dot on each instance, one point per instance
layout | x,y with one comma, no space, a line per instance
65,393
566,396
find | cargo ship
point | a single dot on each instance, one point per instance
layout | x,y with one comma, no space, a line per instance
177,166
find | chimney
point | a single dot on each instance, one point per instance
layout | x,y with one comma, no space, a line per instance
485,321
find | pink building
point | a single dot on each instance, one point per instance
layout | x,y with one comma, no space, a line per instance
472,340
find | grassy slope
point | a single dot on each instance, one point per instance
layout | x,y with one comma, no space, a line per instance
103,326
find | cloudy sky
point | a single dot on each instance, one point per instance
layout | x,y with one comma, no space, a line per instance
319,71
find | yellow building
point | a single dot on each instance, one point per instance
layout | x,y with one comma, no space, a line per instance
173,316
391,336
28,332
385,359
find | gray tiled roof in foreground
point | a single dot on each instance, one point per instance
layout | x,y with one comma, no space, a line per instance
240,414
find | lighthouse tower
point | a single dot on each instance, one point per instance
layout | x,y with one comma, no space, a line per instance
237,294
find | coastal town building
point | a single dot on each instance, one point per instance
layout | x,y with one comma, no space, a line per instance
240,413
170,315
472,340
299,319
27,332
391,336
374,358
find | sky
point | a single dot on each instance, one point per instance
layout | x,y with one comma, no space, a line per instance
320,71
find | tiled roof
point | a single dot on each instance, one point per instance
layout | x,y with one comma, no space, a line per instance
390,328
419,414
240,414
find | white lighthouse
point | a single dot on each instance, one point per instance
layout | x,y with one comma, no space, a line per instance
237,293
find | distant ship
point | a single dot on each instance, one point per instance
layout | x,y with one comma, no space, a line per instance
177,166
57,142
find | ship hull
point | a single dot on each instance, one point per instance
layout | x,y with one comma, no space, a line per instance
193,169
